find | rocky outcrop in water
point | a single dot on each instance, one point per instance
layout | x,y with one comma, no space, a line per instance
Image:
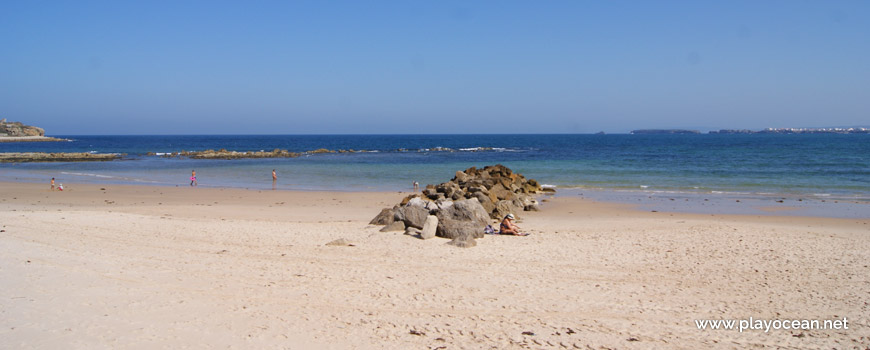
56,157
463,206
224,154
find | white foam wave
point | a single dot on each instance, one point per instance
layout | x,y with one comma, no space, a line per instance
89,175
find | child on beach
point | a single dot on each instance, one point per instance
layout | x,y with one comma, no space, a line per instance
52,184
193,178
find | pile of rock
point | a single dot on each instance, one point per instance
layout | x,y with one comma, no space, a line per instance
498,189
460,208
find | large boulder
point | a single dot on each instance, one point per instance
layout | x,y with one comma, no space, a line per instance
386,217
452,228
465,218
502,208
412,216
485,201
417,202
501,192
469,210
429,227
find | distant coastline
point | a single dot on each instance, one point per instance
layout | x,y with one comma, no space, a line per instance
18,132
763,131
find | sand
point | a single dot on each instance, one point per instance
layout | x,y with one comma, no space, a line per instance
157,267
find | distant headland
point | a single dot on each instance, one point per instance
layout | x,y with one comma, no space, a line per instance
18,132
764,131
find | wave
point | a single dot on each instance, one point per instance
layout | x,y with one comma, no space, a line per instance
118,178
90,175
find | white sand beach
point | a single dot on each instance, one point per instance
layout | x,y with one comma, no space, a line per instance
111,266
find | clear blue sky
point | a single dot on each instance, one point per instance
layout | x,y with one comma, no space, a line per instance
260,67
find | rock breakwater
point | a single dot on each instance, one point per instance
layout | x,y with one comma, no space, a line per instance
464,205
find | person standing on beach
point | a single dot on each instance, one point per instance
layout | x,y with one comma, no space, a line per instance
193,178
416,186
52,184
274,179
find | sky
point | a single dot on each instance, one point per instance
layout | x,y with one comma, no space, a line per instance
432,67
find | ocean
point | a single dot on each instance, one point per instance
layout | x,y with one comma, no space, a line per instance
832,166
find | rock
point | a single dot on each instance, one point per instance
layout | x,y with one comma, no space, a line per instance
465,218
341,242
501,192
429,227
503,208
470,209
408,199
463,242
416,202
386,217
412,231
460,177
444,203
485,201
395,226
412,216
452,228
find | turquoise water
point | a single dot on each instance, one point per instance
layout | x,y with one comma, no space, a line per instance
829,165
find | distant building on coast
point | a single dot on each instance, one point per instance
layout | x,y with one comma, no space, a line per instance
815,131
855,130
663,131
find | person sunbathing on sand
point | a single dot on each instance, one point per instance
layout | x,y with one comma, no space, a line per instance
508,227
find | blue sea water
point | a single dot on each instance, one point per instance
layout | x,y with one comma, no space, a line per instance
813,165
